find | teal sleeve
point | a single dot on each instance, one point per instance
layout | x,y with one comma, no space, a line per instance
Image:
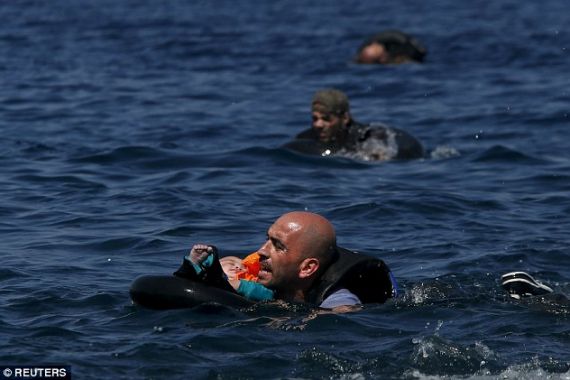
199,268
254,291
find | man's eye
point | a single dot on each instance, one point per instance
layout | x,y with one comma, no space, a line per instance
278,245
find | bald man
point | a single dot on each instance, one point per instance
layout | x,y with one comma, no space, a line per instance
301,262
299,247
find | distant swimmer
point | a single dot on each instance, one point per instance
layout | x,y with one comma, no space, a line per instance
390,47
334,131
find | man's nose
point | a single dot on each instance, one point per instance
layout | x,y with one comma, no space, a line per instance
263,250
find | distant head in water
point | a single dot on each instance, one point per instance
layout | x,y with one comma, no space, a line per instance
374,53
390,47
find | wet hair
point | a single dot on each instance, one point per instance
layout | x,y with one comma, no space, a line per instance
398,44
331,101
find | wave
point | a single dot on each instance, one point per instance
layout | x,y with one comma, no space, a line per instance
499,153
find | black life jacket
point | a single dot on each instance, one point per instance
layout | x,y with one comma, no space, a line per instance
365,276
408,147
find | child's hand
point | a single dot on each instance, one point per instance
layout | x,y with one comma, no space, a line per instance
200,253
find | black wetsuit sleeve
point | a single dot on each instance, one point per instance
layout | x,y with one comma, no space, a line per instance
187,271
307,134
213,275
408,146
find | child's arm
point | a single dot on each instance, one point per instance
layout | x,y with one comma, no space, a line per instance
202,256
202,264
254,291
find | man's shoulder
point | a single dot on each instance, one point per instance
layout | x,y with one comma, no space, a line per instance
306,134
359,132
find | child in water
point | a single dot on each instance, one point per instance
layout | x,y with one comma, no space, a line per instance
229,273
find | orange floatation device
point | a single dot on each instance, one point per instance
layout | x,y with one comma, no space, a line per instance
252,265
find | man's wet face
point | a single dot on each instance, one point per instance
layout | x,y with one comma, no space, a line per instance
280,255
327,126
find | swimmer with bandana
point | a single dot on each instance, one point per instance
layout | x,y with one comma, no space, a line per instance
335,132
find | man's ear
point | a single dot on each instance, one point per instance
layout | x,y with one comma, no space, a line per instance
345,118
308,267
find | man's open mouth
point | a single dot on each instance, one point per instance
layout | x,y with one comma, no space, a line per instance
265,267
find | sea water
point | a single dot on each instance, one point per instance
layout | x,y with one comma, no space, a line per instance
132,130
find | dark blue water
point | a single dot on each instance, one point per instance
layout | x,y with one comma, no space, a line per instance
133,129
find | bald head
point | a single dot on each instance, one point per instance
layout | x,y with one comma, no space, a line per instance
316,234
299,246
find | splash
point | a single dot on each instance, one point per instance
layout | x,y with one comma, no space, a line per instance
374,149
442,152
436,355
